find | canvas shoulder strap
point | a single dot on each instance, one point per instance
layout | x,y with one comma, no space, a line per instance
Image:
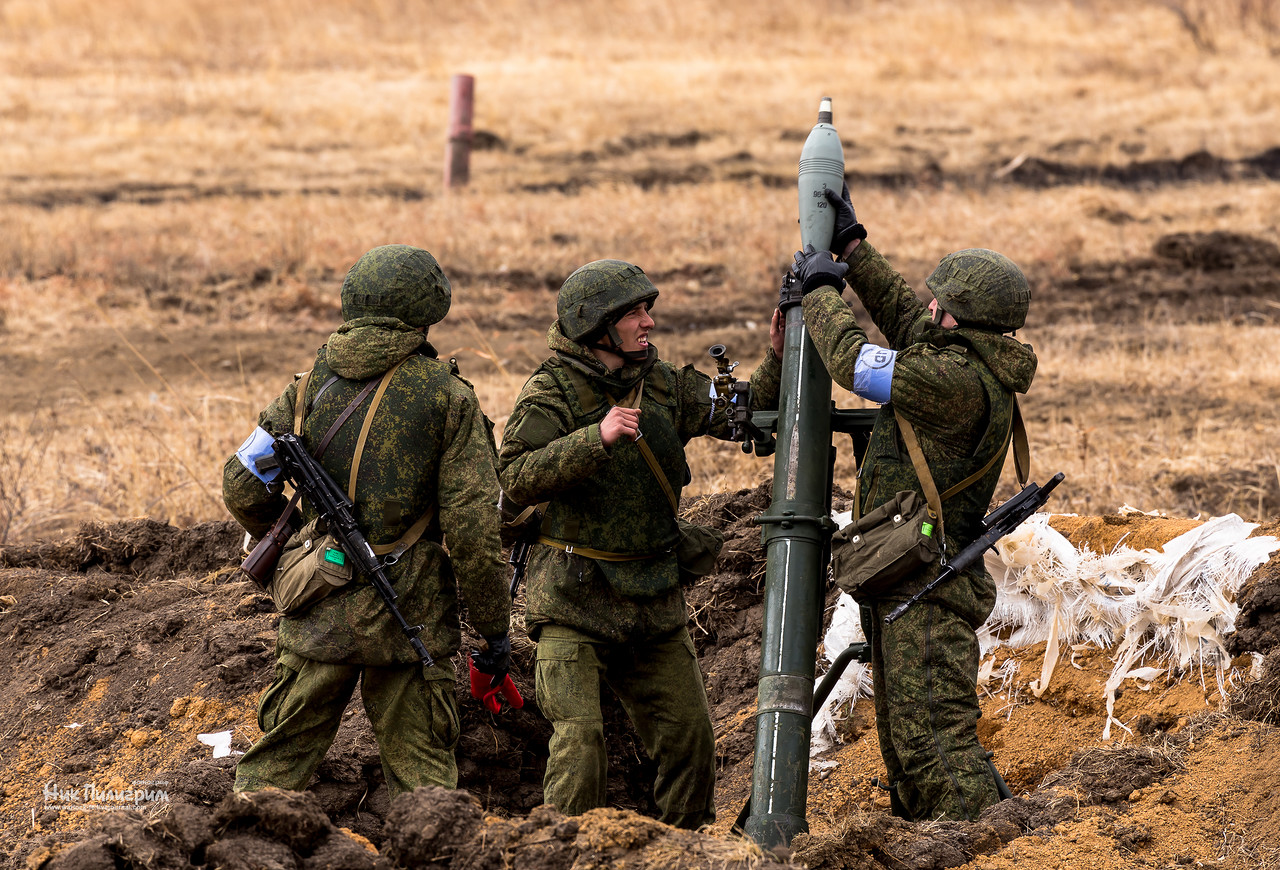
632,400
411,536
300,413
922,470
394,550
1021,459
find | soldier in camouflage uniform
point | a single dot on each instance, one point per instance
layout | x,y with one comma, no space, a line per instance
952,373
604,597
429,448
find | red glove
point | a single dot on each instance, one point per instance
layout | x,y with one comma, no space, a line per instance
486,688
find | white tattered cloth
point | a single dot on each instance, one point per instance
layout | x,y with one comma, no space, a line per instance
1158,610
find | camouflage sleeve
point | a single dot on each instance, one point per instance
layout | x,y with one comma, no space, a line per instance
698,415
835,333
541,455
695,409
247,498
766,382
467,496
892,304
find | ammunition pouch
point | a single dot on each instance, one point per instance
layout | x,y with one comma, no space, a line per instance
872,555
696,550
311,567
519,523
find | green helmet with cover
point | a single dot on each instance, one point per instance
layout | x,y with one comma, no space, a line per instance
595,297
983,288
397,281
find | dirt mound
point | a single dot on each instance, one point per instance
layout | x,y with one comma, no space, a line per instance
1191,278
135,639
145,548
431,827
1201,166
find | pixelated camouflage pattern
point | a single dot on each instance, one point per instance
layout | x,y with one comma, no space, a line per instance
980,287
551,453
599,293
956,389
412,709
660,688
924,670
429,443
396,281
944,382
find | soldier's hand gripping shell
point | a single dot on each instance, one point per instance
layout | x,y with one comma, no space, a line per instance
847,227
814,269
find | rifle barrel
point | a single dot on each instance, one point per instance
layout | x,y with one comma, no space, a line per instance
998,523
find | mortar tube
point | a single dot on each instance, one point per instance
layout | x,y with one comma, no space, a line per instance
796,530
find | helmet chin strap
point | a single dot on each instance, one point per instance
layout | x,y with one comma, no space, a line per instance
615,347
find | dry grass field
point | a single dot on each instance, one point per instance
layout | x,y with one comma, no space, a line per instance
185,184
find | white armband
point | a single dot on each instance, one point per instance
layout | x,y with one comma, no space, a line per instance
873,373
258,446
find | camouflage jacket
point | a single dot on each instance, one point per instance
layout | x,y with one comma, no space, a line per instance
608,498
954,386
429,445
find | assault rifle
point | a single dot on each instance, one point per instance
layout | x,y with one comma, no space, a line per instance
518,559
997,524
331,503
520,526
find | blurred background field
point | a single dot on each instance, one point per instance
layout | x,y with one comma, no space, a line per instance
185,184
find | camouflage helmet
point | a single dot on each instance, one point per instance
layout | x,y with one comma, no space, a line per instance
396,281
596,296
979,287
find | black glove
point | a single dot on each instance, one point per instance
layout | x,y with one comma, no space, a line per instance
496,660
847,227
814,269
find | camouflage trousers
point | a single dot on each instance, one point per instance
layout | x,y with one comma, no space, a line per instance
660,687
412,710
924,679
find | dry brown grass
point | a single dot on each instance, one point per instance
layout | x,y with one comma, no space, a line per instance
179,171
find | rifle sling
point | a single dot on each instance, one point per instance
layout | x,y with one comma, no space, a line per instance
632,400
525,515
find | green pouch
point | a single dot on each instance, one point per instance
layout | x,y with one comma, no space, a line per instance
696,550
311,567
872,555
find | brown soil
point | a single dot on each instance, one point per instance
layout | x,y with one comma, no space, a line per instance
125,641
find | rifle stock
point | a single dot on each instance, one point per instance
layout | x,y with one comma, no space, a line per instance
260,565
